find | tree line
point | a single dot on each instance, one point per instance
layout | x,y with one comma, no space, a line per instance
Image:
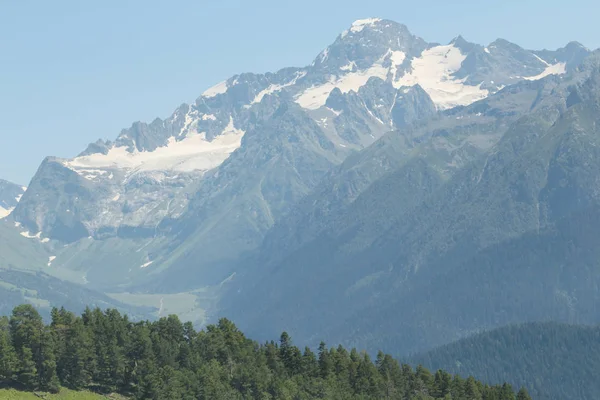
104,351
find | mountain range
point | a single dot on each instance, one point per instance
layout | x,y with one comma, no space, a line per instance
428,191
10,195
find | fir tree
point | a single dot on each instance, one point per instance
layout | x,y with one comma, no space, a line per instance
8,356
523,395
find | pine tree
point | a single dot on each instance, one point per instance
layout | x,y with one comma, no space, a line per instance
290,355
507,392
26,327
472,391
47,377
78,362
523,394
367,377
442,383
310,365
325,362
390,373
34,348
26,373
8,356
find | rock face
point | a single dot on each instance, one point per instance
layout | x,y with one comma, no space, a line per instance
486,216
185,203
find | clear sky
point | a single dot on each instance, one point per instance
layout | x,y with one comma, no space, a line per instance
74,71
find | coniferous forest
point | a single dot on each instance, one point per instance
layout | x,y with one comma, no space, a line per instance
554,361
104,351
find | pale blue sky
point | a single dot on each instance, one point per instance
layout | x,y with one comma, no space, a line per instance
73,71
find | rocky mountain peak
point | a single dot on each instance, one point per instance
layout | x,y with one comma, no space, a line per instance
462,44
365,42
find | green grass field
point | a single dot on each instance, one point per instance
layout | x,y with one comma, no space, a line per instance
65,394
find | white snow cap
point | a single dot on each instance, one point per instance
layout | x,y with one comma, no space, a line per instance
316,96
360,24
219,88
433,70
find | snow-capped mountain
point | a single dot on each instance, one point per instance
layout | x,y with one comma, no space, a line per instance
147,172
200,188
10,195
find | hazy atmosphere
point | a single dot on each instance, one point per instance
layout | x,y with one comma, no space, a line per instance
357,200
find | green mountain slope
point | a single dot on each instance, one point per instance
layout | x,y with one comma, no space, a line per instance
424,264
27,276
554,361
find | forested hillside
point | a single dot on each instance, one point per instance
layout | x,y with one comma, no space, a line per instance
106,353
554,361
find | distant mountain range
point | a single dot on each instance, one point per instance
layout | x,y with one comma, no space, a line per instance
10,195
394,194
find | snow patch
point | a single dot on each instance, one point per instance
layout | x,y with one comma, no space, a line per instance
316,96
433,72
277,88
542,60
18,198
193,153
348,67
50,259
487,50
146,264
91,174
373,115
397,58
207,117
190,121
117,197
5,212
322,122
30,236
219,88
324,55
554,69
337,113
